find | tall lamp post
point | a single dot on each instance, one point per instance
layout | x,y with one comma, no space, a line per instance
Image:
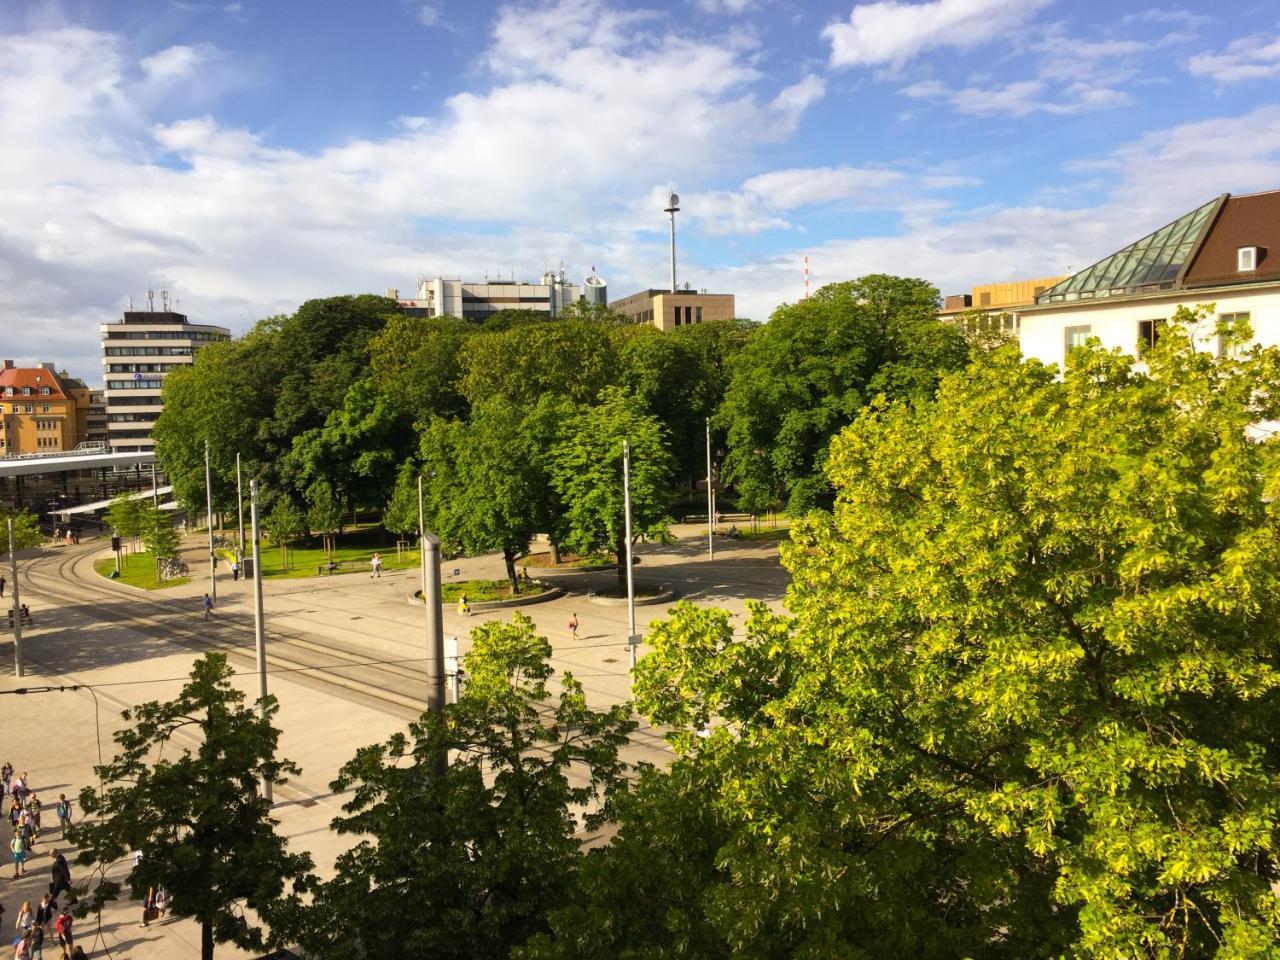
208,499
711,507
673,204
19,670
433,611
259,627
240,504
633,640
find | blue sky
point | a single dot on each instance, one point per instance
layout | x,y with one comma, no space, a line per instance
249,155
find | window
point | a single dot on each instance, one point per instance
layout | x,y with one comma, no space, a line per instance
26,391
1246,259
1148,334
1233,328
47,408
697,316
44,391
1075,337
984,299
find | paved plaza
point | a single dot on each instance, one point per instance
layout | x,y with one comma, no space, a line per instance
133,646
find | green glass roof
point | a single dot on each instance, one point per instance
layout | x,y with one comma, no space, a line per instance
1152,263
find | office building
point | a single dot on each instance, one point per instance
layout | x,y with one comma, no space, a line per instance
41,410
443,297
996,306
139,350
667,310
97,419
1225,252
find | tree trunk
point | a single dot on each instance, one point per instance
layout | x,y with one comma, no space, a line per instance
509,557
206,941
555,551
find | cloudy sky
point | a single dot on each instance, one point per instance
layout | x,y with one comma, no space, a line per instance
250,155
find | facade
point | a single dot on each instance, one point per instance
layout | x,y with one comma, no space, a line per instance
138,351
41,410
595,291
97,419
442,297
1225,252
1000,303
666,310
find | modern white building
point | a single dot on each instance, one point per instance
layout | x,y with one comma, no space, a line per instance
138,352
1225,252
444,297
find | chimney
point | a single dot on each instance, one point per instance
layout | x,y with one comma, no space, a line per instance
8,364
51,367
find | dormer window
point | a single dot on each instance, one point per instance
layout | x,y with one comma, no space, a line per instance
44,391
26,391
1246,259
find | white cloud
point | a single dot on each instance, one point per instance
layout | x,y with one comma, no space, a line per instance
1020,98
734,7
428,14
1250,58
893,32
98,197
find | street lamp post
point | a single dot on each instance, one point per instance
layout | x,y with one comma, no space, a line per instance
208,499
633,641
673,204
19,670
240,504
433,611
259,627
711,507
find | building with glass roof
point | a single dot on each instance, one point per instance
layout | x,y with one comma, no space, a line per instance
1226,252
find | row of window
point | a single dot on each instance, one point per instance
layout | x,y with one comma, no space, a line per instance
47,424
134,384
135,402
26,391
142,367
1149,333
44,443
30,408
689,315
149,351
133,417
163,335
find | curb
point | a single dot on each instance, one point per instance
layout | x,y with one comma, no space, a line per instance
666,595
559,571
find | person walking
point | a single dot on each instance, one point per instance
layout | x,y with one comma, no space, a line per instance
25,917
22,947
3,584
573,626
61,874
63,929
18,847
37,942
376,563
47,911
235,571
64,812
208,607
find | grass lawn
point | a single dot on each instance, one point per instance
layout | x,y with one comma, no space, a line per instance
567,560
352,551
137,570
480,591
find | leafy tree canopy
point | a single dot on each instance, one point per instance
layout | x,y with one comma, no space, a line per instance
26,529
572,359
807,373
1024,702
196,813
467,864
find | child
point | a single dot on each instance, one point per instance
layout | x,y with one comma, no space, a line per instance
64,813
573,626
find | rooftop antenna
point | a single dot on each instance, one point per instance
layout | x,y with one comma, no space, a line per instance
151,300
673,204
131,303
164,300
806,276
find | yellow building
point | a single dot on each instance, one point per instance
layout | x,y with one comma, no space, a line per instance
666,310
1000,302
41,410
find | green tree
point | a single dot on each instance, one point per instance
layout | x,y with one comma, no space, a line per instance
324,513
127,515
811,369
401,513
284,524
467,864
486,483
161,539
1024,701
196,814
415,363
572,359
26,529
586,473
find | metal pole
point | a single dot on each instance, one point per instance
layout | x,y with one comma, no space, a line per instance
259,628
673,250
240,504
208,498
155,492
632,640
18,669
433,611
711,510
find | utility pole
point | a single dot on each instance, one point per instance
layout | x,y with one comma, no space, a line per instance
673,204
259,628
240,504
711,508
633,641
18,669
433,612
155,492
208,499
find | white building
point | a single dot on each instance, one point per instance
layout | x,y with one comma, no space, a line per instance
1225,252
442,297
138,352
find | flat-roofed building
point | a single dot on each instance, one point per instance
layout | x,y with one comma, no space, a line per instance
996,305
667,310
444,297
41,410
138,351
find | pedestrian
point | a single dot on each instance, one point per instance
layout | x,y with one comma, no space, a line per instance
61,874
376,563
75,536
6,772
163,900
573,626
3,584
235,571
33,814
22,947
64,812
37,942
47,911
20,788
463,609
208,607
149,907
18,846
63,929
25,917
77,953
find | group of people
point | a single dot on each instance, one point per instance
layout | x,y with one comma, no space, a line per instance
70,535
35,928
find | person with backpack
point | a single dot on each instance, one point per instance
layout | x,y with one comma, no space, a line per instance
64,812
37,942
208,607
63,929
61,874
22,948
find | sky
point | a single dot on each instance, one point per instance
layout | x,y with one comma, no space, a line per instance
247,155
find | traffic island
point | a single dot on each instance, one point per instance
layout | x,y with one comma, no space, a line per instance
493,594
645,595
540,565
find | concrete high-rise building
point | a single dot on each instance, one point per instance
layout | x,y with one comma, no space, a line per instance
666,310
41,410
97,419
138,351
443,297
595,291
